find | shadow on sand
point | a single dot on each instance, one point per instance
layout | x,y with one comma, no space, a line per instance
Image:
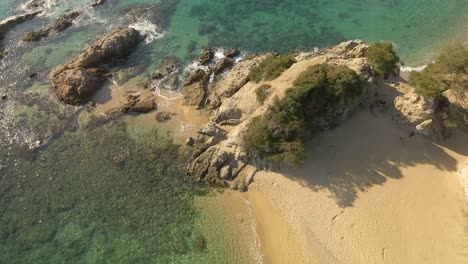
363,152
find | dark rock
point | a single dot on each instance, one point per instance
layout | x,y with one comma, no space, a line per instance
8,24
59,25
167,66
75,86
97,2
222,64
164,116
206,55
4,97
64,22
3,54
32,75
232,53
119,159
143,102
190,141
35,35
198,75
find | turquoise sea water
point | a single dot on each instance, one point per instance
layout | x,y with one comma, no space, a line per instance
116,192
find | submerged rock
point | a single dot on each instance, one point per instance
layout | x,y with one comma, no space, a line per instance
74,83
167,66
9,23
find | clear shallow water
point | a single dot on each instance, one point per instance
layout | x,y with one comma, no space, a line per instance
116,193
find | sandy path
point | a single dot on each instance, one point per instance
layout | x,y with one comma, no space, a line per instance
370,194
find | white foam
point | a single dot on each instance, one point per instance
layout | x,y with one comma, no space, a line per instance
219,54
151,31
410,69
88,16
46,5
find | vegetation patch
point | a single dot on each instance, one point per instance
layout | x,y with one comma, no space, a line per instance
262,93
271,67
448,71
316,97
383,59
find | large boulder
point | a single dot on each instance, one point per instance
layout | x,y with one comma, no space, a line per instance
71,80
414,108
75,86
115,44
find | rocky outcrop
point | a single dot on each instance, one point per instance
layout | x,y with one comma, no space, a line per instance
232,81
417,111
197,83
222,64
59,25
74,86
7,24
206,56
76,89
142,102
166,76
218,154
115,44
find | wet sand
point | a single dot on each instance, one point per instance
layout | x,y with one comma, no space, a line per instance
368,193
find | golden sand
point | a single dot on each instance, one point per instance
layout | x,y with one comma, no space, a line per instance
369,193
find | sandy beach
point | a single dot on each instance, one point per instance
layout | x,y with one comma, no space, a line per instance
368,193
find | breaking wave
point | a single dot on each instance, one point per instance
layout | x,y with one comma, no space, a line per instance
151,31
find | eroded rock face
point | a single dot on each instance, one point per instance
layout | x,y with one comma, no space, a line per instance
75,83
414,107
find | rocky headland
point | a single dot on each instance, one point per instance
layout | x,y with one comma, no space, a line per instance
219,153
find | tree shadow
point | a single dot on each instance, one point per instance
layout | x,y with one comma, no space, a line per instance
363,152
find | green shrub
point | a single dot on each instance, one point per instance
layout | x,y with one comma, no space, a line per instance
279,135
262,92
448,71
383,59
271,67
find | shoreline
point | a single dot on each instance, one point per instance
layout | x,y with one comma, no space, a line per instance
389,211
